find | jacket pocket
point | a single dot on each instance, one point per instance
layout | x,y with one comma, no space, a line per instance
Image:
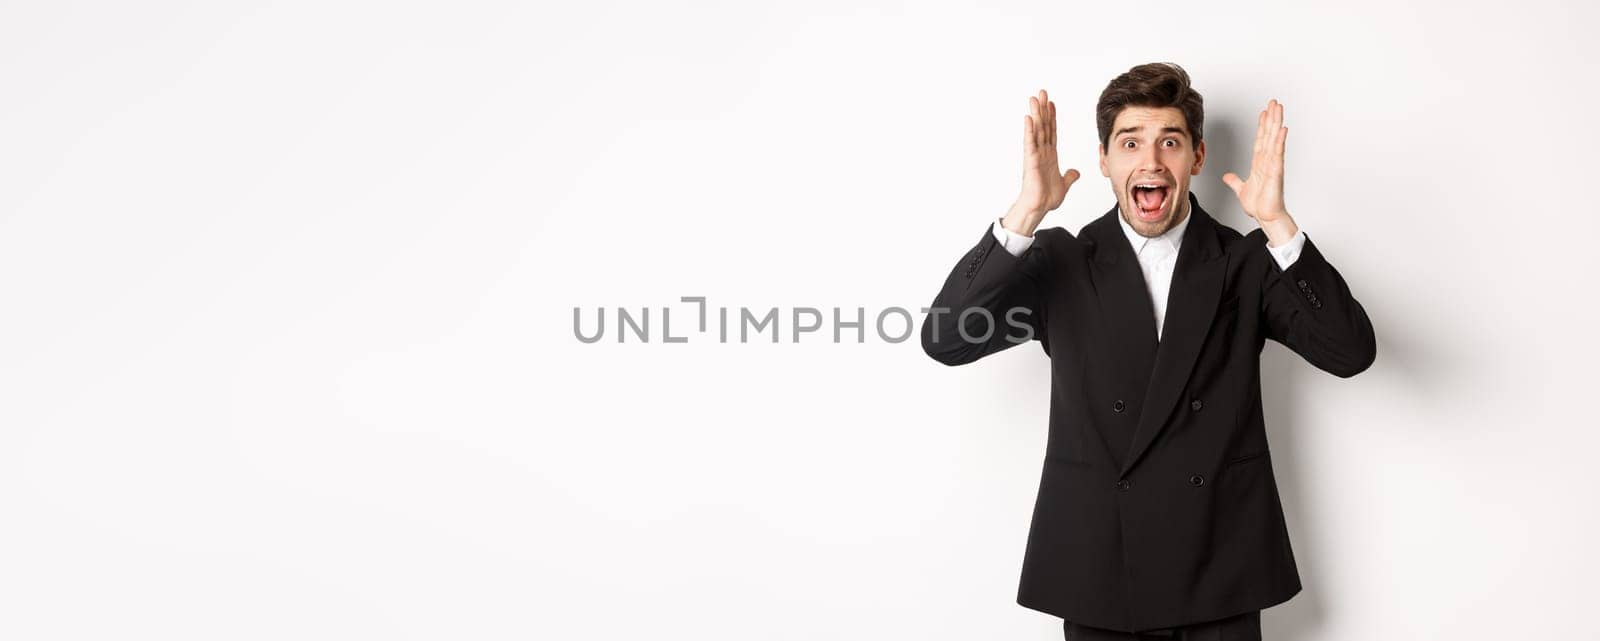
1053,459
1244,459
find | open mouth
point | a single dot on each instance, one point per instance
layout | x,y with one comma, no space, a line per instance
1150,200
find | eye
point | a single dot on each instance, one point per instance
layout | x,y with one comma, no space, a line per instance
1174,142
1126,144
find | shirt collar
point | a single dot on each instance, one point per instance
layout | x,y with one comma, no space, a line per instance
1173,237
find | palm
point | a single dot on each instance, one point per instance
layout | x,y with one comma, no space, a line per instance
1261,194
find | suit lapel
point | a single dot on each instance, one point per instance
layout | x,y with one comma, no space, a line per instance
1127,315
1191,305
1124,298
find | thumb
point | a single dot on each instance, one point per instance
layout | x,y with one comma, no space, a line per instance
1068,178
1232,181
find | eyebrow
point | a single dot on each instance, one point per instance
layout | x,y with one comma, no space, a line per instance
1167,129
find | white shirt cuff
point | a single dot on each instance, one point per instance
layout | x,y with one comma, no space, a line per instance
1288,252
1015,244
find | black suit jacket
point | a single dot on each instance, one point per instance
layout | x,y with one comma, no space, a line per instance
1157,505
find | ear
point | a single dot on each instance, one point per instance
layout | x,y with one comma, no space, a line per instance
1104,170
1199,158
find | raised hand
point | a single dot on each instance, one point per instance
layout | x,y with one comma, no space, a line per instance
1261,195
1042,188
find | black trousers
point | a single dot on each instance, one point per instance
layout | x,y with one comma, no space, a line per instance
1239,627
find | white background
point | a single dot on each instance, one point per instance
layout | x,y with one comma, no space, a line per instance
286,349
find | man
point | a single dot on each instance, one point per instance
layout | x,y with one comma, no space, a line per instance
1157,510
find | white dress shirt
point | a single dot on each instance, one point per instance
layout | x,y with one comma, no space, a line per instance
1156,255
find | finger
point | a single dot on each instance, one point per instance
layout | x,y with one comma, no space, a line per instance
1272,122
1261,135
1232,181
1027,135
1035,122
1283,131
1276,150
1040,126
1044,118
1052,123
1261,132
1277,123
1270,141
1068,178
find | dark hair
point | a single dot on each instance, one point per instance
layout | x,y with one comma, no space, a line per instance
1157,84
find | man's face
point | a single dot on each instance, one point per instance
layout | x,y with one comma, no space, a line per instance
1151,146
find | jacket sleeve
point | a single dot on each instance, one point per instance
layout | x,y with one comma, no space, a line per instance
1309,309
990,301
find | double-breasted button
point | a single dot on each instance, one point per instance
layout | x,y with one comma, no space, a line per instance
1196,405
1124,484
1197,480
1118,406
1306,289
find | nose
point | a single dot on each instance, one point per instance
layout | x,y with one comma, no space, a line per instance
1150,162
